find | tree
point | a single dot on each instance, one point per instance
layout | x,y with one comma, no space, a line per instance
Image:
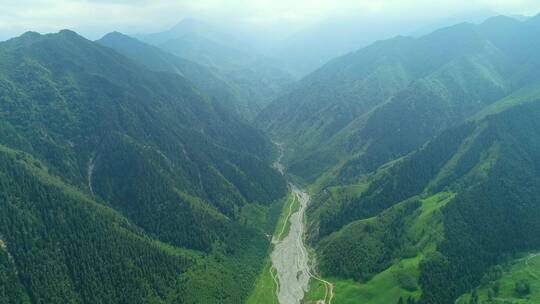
474,298
491,294
522,288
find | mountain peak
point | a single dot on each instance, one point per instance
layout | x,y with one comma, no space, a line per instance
500,23
534,20
500,19
30,34
189,23
68,33
116,36
192,26
113,34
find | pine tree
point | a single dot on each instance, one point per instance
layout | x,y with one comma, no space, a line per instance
474,298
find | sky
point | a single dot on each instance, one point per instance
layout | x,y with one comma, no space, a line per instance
93,18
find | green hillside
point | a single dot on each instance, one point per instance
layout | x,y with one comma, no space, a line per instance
62,246
515,281
396,219
422,157
386,100
156,59
490,169
117,179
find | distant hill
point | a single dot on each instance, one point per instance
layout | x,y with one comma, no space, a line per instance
124,185
156,59
252,76
382,102
338,36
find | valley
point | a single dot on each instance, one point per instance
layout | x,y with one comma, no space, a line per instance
290,263
289,256
189,166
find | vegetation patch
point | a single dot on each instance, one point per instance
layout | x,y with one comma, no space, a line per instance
515,282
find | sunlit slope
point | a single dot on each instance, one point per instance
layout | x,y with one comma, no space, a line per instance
457,206
514,281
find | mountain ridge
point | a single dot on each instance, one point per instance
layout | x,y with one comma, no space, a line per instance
329,118
180,171
254,77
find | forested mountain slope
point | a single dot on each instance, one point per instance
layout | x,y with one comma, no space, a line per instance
156,59
255,78
437,220
382,102
113,173
62,246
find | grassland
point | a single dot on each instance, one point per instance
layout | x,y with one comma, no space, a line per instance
283,225
425,231
265,289
383,288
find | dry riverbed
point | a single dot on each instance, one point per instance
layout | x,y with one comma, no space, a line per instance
290,258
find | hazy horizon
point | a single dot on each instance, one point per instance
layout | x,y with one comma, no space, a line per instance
276,19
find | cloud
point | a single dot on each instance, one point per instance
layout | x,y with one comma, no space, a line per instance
95,17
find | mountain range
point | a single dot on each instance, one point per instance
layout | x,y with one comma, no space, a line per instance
205,81
379,103
423,156
256,79
143,169
124,185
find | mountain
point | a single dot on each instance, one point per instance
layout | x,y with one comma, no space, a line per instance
154,58
422,155
124,185
335,37
434,223
253,77
474,16
332,38
382,102
130,175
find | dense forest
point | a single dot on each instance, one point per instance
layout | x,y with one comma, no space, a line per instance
125,185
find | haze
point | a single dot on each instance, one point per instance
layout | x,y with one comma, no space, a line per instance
93,18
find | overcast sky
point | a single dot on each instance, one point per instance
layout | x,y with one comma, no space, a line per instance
93,18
